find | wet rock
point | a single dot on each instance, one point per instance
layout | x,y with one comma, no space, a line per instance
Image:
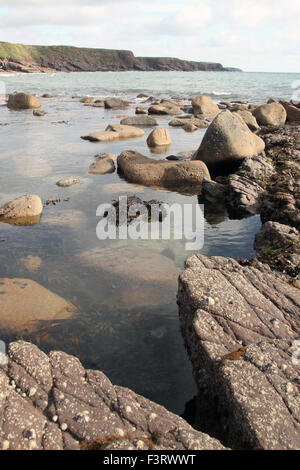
141,121
104,136
258,169
272,114
228,139
39,113
82,409
21,101
67,182
206,106
104,164
159,136
279,246
115,103
88,100
47,95
164,108
139,110
240,346
182,156
114,132
125,132
200,123
26,306
23,210
243,196
143,170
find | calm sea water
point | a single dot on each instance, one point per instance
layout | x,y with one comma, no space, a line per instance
136,343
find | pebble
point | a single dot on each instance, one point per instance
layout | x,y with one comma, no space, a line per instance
64,427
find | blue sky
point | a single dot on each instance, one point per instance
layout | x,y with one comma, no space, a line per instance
255,35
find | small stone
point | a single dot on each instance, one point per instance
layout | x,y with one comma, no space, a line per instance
64,427
55,418
32,392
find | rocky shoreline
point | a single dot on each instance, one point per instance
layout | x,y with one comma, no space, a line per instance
239,319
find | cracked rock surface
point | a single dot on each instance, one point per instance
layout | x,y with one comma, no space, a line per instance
53,403
240,325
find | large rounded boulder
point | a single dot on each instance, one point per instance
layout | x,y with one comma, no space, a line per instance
159,136
228,139
20,101
272,114
25,210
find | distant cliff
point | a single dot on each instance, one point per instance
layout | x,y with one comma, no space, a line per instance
29,59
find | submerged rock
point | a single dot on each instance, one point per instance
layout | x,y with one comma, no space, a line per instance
21,101
228,139
25,306
72,408
24,210
125,132
143,170
140,277
239,324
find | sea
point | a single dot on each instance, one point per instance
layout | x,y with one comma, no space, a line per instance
129,332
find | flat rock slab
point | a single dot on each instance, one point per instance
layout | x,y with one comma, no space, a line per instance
25,305
53,403
162,173
239,325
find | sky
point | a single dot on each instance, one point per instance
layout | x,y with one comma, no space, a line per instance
254,35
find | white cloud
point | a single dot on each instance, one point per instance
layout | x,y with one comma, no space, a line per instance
251,34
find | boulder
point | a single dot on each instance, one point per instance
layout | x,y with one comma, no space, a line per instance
159,137
140,277
240,325
20,101
162,173
140,110
293,113
25,306
114,132
23,210
115,103
104,136
189,121
140,121
206,106
125,132
272,114
55,404
104,164
228,139
249,120
165,108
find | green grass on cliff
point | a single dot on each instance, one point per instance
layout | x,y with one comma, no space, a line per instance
38,54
